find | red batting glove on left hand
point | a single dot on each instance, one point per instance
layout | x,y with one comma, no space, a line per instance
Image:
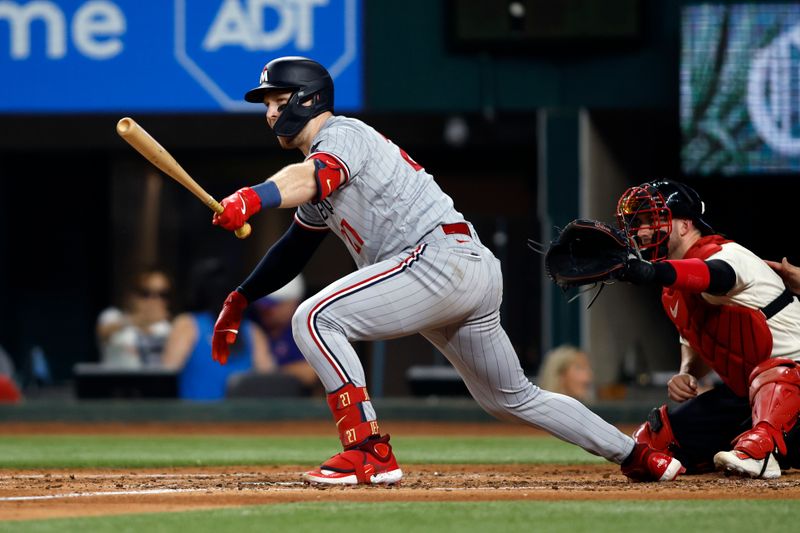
239,206
227,326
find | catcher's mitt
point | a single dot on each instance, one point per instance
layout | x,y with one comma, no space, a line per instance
586,252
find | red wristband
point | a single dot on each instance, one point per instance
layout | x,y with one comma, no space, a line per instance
692,275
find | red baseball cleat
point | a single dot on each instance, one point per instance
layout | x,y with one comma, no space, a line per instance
646,464
371,463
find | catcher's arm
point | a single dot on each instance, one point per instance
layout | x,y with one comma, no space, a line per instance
683,385
691,275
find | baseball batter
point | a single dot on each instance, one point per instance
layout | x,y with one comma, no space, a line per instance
421,269
734,316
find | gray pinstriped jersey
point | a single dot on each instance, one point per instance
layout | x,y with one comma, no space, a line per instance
385,204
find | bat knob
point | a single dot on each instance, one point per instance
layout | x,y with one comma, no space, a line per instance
244,231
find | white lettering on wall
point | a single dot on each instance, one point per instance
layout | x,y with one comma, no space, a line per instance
237,24
20,18
96,28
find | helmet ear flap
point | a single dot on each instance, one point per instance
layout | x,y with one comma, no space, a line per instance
293,118
296,115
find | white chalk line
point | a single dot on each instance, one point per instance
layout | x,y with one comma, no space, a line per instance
513,487
282,486
88,494
274,483
60,477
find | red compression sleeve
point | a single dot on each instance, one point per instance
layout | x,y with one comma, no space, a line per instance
691,275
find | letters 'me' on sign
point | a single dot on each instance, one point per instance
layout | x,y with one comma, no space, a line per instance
171,55
740,113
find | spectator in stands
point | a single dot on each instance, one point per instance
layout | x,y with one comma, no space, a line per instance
134,336
274,313
188,347
9,392
567,370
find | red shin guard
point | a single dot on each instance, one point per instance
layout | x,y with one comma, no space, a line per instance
657,432
775,399
345,404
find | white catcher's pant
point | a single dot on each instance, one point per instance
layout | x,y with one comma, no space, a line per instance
449,289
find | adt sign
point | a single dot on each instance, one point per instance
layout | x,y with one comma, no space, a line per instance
238,35
183,55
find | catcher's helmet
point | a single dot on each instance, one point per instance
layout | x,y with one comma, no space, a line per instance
654,205
307,79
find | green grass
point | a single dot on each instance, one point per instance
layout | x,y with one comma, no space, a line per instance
462,517
65,451
651,516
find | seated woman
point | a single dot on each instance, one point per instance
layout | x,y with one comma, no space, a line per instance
188,347
133,336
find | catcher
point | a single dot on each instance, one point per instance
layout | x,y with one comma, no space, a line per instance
734,316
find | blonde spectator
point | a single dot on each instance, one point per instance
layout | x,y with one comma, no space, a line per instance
567,370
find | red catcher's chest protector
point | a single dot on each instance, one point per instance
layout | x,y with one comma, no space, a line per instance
730,339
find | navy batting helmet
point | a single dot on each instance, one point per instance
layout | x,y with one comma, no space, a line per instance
307,79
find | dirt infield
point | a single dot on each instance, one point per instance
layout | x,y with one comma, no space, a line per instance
33,494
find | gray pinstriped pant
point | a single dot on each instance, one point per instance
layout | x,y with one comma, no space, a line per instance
448,289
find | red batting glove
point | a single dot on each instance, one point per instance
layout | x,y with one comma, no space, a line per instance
239,206
227,326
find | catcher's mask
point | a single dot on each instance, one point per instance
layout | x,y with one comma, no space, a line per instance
645,214
308,81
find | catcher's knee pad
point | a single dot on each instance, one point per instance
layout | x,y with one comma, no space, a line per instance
774,370
775,400
657,433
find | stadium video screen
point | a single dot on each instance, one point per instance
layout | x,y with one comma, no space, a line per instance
740,89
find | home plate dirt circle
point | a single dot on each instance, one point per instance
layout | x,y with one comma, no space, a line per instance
31,494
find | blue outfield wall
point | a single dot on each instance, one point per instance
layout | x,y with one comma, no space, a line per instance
173,55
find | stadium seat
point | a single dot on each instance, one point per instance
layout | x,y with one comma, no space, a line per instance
253,385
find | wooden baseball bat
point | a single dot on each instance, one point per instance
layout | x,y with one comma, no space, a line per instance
142,142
